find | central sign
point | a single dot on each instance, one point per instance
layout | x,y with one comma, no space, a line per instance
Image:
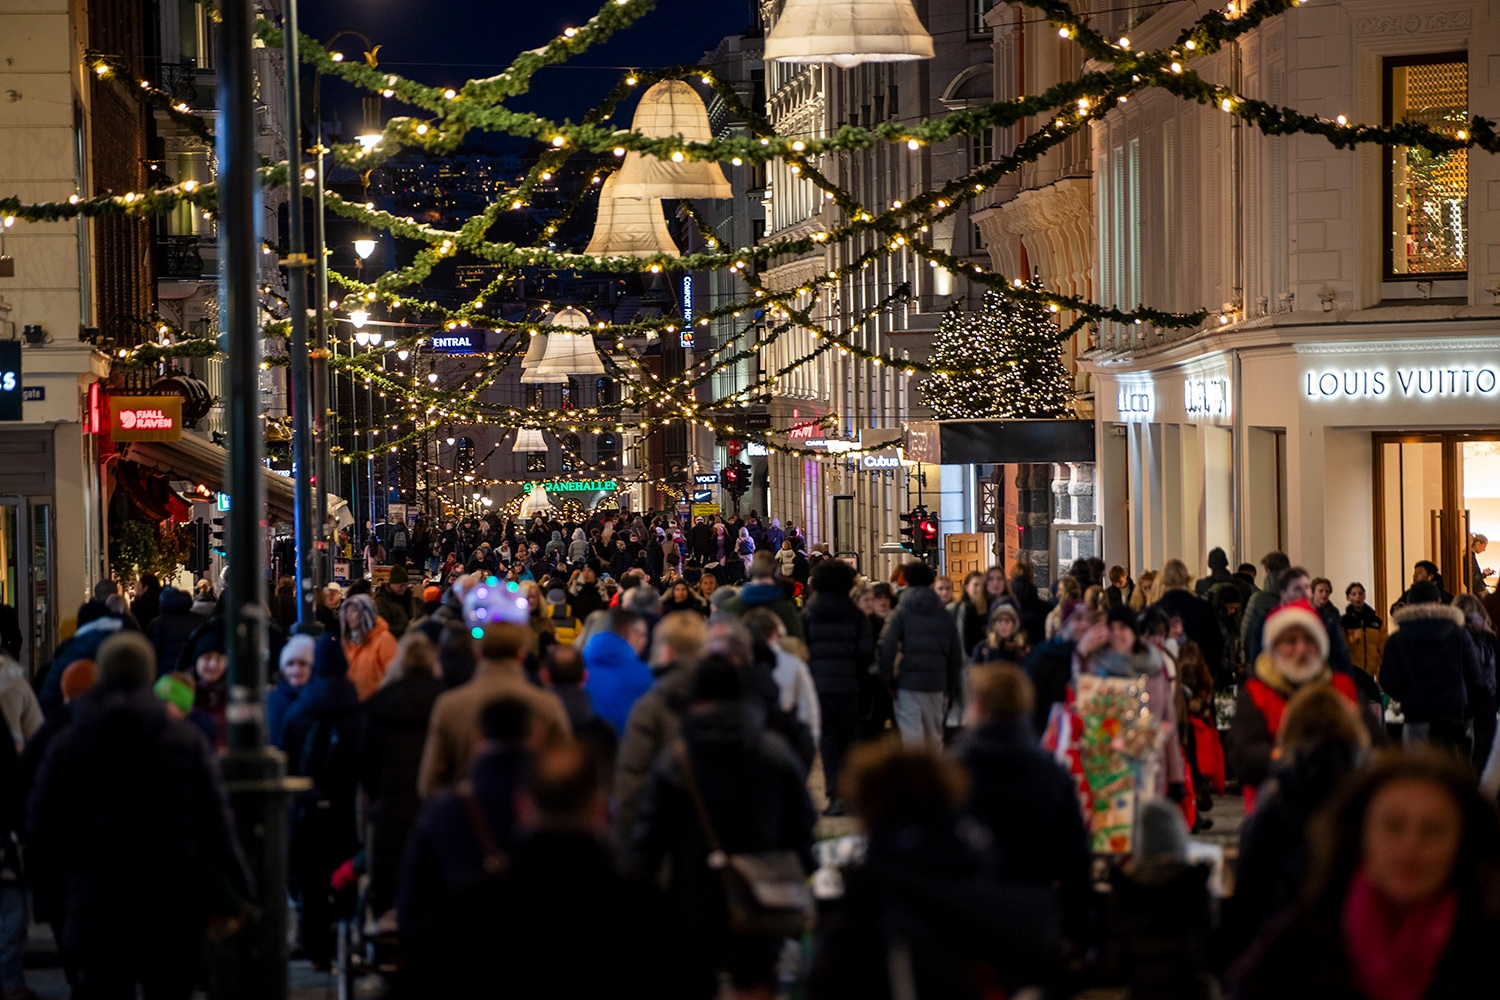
458,342
706,478
572,486
145,418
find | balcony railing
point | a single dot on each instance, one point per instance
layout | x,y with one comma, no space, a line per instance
180,257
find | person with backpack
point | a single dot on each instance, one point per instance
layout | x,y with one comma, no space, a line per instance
400,543
321,742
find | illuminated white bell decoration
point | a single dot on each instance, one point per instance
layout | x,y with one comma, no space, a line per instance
536,502
529,439
629,227
670,109
536,351
848,32
567,353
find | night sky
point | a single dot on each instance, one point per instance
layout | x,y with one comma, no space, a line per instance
444,42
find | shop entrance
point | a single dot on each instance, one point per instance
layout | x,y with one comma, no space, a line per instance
1433,494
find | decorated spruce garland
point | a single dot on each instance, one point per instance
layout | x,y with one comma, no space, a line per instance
448,115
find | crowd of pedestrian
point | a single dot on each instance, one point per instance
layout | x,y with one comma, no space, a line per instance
589,758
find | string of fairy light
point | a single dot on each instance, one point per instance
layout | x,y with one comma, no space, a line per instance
450,114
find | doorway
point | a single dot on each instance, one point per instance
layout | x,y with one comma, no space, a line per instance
1433,494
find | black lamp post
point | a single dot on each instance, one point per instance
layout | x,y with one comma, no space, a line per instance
252,962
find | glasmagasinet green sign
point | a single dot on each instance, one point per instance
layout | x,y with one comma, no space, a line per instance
572,486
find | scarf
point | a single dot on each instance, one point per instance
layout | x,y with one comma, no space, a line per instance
1395,956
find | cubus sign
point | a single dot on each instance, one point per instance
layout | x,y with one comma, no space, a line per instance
145,418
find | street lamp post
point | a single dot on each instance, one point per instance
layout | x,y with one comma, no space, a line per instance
305,509
252,962
324,382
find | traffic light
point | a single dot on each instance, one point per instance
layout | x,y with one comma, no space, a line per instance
909,522
736,478
198,550
218,537
927,534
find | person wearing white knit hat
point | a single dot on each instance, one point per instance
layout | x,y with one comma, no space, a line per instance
1294,655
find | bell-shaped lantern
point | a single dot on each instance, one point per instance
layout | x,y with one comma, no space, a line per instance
629,227
671,108
567,353
848,32
529,439
536,502
536,351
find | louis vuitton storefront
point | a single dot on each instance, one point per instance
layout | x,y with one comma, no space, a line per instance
1357,456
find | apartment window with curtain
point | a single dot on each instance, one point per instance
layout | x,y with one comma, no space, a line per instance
1427,195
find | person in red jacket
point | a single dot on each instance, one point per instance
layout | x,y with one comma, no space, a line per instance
1294,654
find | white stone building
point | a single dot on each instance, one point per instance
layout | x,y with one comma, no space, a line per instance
1340,402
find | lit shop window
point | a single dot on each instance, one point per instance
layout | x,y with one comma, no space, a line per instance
1427,202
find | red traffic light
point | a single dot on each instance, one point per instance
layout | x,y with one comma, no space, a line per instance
928,529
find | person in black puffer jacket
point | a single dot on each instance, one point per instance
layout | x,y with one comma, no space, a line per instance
321,742
921,635
173,625
395,729
839,646
1429,665
133,848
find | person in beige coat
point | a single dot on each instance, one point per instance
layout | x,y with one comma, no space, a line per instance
18,704
453,733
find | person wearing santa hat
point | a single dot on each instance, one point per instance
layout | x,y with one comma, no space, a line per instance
1294,654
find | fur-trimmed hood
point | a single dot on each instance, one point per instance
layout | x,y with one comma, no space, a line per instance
1422,612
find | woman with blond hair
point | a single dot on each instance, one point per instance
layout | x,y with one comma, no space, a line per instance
1144,592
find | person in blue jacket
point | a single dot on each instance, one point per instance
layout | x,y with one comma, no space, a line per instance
616,674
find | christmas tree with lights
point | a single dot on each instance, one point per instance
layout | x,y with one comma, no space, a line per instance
1003,361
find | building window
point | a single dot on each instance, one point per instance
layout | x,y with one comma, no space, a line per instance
980,8
604,391
609,453
1427,196
571,453
979,242
981,148
536,461
534,397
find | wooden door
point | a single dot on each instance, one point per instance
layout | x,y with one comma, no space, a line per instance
965,554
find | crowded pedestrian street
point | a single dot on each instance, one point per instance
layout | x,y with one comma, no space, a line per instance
788,500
